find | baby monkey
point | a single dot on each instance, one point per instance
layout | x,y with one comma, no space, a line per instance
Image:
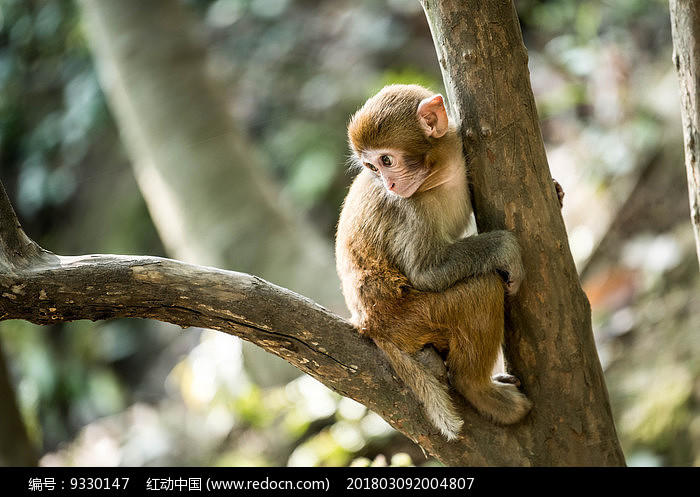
411,275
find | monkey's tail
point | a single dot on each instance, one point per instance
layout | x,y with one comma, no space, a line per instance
502,403
433,394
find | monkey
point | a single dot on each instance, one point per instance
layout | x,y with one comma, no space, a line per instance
413,271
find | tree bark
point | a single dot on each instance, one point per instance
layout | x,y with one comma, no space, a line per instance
549,344
685,31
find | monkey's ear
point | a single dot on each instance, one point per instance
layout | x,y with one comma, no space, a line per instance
432,116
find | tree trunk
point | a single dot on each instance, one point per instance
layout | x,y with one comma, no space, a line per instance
549,342
685,30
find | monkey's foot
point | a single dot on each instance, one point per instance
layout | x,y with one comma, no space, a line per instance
431,360
506,378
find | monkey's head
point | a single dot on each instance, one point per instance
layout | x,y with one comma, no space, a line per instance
393,132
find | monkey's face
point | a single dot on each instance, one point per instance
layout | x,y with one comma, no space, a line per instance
393,134
400,174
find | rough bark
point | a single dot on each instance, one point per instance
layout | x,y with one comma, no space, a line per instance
685,30
550,344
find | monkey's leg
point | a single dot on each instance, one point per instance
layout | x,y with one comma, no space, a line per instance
474,345
476,334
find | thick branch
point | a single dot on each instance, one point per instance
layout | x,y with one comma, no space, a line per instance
685,28
549,341
95,287
45,288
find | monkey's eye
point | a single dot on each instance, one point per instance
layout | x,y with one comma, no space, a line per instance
371,167
387,160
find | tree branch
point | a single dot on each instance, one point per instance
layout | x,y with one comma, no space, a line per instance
16,248
549,339
685,30
48,288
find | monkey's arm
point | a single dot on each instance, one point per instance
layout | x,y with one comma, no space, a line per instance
494,251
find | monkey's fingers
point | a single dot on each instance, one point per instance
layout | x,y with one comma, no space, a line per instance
511,284
560,192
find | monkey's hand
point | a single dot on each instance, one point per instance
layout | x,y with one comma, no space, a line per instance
509,264
560,192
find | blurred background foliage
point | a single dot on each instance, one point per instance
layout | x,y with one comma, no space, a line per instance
131,392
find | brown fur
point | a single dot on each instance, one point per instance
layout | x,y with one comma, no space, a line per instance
383,123
380,235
